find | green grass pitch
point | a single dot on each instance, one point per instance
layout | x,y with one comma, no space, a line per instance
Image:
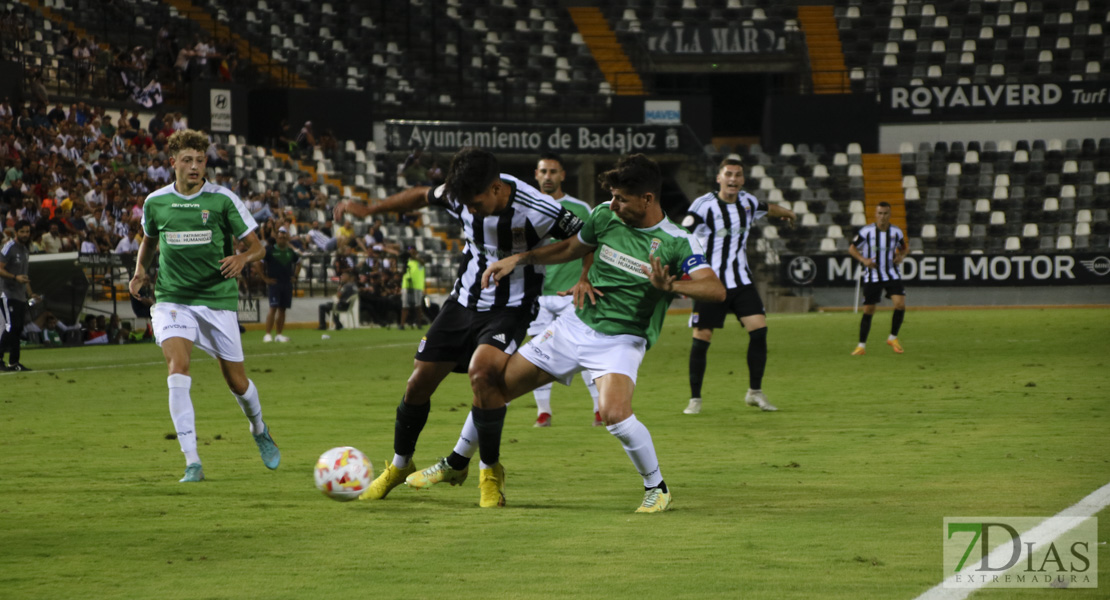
840,494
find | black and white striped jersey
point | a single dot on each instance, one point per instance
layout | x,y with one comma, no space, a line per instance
530,218
880,246
722,229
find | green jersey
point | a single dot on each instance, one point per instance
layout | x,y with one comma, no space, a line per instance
413,279
562,277
631,305
194,233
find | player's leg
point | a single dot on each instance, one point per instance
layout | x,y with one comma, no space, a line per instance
521,377
549,306
175,329
896,320
14,311
591,387
279,325
872,293
270,316
325,308
749,308
705,317
616,408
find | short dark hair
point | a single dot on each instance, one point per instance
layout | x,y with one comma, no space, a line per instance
884,205
472,170
635,174
731,160
554,157
20,224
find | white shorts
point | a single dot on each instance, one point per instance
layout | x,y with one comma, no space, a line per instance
214,331
551,307
569,346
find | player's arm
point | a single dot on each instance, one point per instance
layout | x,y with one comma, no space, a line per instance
232,266
584,288
552,254
901,251
703,285
142,262
401,202
867,262
260,268
777,210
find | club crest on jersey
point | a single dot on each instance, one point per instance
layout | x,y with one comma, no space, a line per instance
518,237
204,217
654,246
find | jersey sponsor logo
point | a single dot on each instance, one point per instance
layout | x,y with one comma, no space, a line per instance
204,217
1099,266
183,205
802,270
722,232
188,238
623,261
692,262
500,338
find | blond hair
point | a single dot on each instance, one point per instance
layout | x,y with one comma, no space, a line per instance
187,139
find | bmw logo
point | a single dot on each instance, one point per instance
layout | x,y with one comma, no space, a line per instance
802,270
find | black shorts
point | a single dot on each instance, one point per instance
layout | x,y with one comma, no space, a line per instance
873,292
281,295
458,331
743,301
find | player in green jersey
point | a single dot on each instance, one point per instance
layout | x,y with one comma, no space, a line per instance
629,289
195,225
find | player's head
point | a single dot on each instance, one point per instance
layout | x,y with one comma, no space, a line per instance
882,214
730,176
188,154
550,174
474,179
23,231
635,184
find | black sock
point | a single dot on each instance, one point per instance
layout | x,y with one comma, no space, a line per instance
457,461
662,485
896,321
864,328
698,351
406,429
757,357
489,423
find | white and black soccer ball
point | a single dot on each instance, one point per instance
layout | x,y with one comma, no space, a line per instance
343,473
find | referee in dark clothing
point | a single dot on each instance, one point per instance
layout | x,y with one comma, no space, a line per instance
880,248
15,289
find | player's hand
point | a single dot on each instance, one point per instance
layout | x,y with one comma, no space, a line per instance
870,264
137,282
499,269
581,291
790,219
337,212
269,280
22,279
660,275
232,266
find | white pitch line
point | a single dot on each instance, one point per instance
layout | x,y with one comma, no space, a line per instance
203,357
1044,533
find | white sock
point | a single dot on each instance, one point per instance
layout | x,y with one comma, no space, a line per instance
468,438
401,461
181,411
863,344
636,439
543,399
251,407
590,385
891,337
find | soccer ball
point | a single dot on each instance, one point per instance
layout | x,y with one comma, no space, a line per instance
343,473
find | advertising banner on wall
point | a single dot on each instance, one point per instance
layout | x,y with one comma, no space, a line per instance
694,38
529,138
989,101
956,270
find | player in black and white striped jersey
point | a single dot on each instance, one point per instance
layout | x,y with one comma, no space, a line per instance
721,221
880,247
477,329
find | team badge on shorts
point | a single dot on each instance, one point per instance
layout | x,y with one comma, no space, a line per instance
547,333
204,217
423,340
173,315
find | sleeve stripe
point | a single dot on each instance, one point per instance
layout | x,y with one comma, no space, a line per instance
539,206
